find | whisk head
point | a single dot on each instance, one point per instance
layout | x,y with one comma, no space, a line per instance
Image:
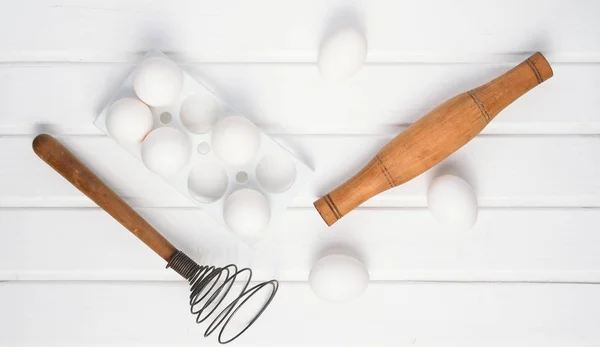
212,286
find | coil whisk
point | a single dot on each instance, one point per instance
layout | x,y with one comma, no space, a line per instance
212,286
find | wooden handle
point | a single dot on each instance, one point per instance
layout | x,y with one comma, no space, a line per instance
433,137
65,163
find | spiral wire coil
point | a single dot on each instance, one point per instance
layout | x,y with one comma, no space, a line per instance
210,286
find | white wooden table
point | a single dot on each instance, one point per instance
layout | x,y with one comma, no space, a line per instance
526,275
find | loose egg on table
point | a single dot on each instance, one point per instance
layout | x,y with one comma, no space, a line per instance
165,151
452,202
247,212
338,277
235,140
129,120
342,54
157,81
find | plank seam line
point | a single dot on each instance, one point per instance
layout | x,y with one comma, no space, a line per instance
76,209
302,282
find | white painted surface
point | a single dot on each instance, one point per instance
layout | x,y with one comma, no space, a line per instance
528,274
403,314
293,99
504,170
274,31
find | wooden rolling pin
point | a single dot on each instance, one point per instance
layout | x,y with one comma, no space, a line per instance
433,137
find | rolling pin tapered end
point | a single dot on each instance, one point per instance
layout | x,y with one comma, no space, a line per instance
327,210
540,66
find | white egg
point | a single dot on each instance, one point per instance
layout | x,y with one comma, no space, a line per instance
199,113
208,181
342,54
166,151
276,173
338,277
452,202
129,120
235,140
157,81
246,212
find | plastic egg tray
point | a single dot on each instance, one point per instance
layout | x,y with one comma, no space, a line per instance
207,179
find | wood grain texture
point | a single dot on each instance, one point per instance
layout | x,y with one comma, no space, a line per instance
65,163
433,138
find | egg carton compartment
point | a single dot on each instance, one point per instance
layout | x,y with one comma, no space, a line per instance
203,147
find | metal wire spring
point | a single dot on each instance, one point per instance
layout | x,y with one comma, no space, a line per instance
211,285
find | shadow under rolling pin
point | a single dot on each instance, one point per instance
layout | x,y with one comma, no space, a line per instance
433,137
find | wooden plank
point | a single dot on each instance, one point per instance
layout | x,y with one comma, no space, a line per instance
61,59
293,99
425,314
504,170
540,245
237,30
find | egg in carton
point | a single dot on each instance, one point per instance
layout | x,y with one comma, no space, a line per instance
202,147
